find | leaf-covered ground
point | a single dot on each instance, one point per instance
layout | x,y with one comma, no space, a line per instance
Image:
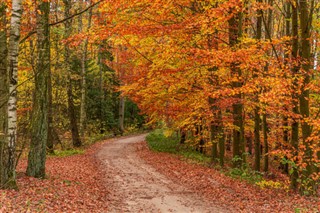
74,184
77,184
213,185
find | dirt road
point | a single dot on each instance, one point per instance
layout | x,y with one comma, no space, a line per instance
138,187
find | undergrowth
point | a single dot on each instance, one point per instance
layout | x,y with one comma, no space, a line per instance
65,153
159,142
246,174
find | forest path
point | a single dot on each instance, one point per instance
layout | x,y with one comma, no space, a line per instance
137,187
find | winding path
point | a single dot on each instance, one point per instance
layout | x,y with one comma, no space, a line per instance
138,187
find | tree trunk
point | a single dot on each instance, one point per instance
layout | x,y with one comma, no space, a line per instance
295,70
234,34
51,132
257,119
3,98
199,134
13,81
249,142
121,114
214,137
221,139
39,121
121,98
213,125
285,166
101,96
305,29
72,116
82,125
216,127
53,137
183,136
265,143
257,143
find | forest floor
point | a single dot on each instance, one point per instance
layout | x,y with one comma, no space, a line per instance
73,184
123,175
145,181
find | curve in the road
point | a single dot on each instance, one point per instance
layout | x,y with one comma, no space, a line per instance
138,187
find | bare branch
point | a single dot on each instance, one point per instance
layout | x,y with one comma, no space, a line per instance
61,21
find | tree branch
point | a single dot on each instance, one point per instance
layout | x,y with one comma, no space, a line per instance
144,56
61,21
76,14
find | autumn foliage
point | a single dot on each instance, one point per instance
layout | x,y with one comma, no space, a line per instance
201,65
237,79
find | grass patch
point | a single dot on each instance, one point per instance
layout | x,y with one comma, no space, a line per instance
69,152
158,142
245,174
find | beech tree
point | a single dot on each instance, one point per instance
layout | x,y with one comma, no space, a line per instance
259,85
235,33
306,19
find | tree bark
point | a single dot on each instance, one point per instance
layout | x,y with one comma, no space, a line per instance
257,119
235,32
71,111
257,143
214,137
51,132
305,29
121,98
221,137
101,95
265,143
82,125
39,120
295,110
249,143
53,137
183,136
285,166
3,98
216,126
121,114
13,81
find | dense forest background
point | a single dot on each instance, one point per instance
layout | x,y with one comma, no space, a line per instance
236,80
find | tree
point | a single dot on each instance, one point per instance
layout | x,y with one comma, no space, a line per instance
13,52
83,78
257,119
285,165
305,17
3,97
235,32
39,122
71,111
119,69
